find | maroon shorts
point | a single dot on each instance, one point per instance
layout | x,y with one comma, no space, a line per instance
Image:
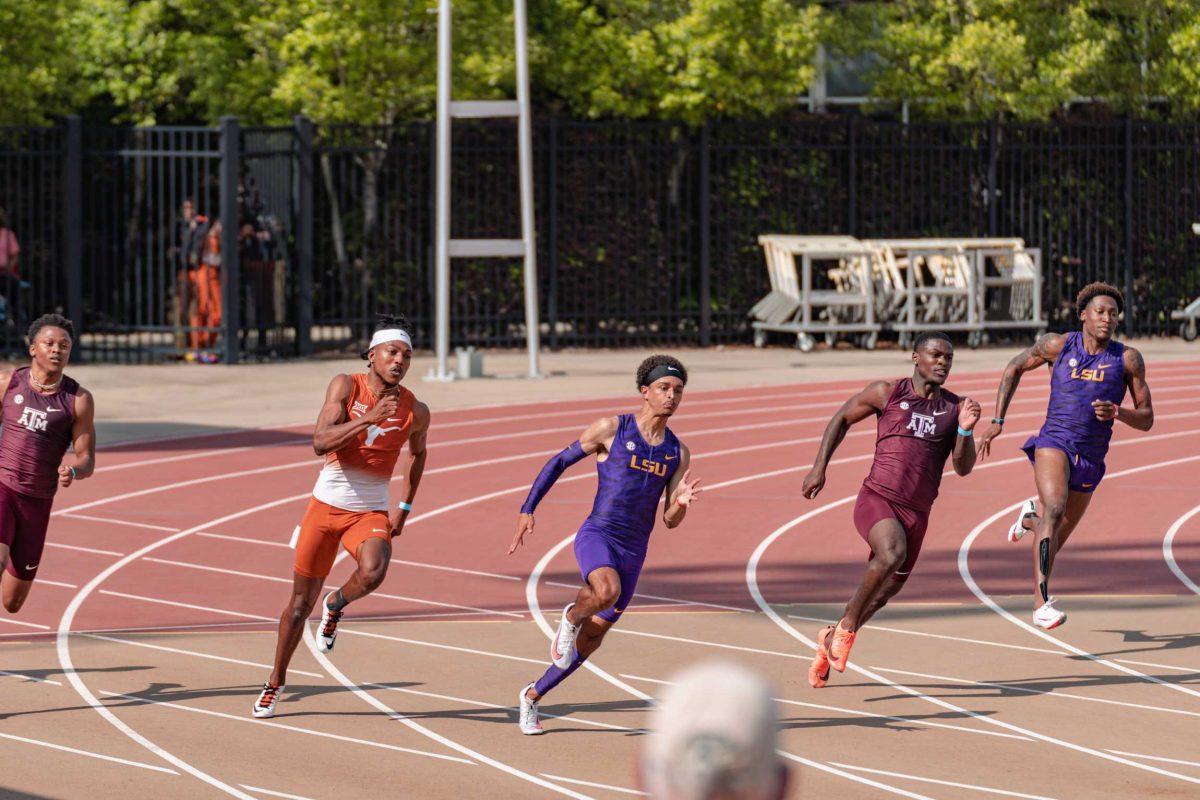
873,507
23,523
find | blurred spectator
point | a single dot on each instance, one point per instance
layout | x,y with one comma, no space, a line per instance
190,232
206,284
714,738
10,276
255,248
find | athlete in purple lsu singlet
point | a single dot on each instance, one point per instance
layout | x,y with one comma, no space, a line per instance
637,459
44,412
920,426
1089,374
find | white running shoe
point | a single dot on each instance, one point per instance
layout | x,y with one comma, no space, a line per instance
528,714
1018,530
327,631
264,706
1048,617
562,646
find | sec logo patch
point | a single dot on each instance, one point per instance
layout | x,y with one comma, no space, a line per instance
19,399
630,445
904,406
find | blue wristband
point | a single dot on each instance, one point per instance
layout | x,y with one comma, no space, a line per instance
964,432
72,469
403,506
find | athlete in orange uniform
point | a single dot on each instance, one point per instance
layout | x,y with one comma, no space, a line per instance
363,425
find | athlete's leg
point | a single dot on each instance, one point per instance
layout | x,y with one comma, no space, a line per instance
591,634
890,548
26,522
305,592
15,591
1051,473
373,557
600,593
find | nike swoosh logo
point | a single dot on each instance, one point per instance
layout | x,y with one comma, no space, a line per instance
35,566
378,530
939,413
52,410
670,458
391,419
1104,366
1088,485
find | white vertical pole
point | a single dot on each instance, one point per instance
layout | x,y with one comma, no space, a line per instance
525,162
442,189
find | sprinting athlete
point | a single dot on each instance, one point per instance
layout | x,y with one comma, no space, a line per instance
637,458
916,434
363,425
45,412
1089,374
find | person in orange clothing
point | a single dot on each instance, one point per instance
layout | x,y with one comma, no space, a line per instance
362,427
206,289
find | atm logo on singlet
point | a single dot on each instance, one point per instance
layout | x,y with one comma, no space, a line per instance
33,419
1096,375
646,465
921,424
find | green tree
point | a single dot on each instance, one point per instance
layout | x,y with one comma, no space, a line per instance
35,64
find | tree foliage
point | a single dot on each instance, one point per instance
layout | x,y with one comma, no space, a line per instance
35,63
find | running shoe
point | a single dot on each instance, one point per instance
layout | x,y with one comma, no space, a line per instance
562,646
1048,617
839,649
818,670
327,632
1028,513
264,706
528,714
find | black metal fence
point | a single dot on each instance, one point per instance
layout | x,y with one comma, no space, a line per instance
647,231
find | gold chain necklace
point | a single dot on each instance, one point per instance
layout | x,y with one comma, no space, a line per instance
44,387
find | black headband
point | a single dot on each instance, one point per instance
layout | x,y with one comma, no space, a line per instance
663,371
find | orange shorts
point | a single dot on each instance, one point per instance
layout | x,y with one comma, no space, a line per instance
324,526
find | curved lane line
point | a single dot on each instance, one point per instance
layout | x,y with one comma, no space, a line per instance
1168,547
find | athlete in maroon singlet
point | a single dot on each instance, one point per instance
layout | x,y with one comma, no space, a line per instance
916,434
44,413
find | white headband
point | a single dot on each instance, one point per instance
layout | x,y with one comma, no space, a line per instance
389,335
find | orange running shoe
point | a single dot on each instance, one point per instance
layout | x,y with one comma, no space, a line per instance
839,650
818,670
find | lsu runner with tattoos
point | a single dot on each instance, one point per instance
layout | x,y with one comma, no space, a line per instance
362,427
637,458
915,435
1089,375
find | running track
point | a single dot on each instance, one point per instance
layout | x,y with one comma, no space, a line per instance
141,645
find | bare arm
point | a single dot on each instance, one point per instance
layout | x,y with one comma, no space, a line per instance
1044,351
681,491
5,377
83,437
1141,416
595,439
870,401
334,431
415,467
964,446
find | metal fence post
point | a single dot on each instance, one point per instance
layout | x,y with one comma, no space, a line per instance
1130,311
705,240
72,245
851,176
552,231
231,273
304,235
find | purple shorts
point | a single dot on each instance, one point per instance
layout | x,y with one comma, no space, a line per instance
1086,473
594,548
23,523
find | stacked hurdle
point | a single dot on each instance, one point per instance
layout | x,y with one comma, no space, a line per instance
840,285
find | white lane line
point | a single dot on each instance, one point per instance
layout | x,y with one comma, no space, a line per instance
202,454
31,678
921,779
1158,758
93,550
76,751
210,656
756,593
1011,687
176,604
47,582
440,646
289,727
989,643
509,709
271,793
851,776
370,699
719,645
594,785
24,624
1168,548
964,571
147,526
856,713
382,595
679,600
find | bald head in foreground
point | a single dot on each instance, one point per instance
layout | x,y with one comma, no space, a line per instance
714,738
